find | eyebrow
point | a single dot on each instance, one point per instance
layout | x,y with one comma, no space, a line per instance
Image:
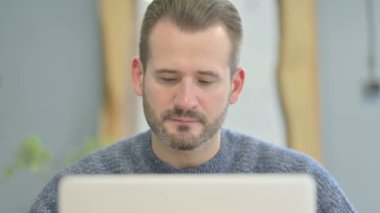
200,72
165,71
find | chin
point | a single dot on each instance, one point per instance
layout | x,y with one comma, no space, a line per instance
185,146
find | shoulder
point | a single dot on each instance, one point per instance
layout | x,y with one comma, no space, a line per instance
267,157
263,157
114,159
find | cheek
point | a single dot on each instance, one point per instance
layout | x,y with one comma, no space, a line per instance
157,97
214,103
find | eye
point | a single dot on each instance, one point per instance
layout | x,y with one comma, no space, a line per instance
167,76
205,82
168,80
207,78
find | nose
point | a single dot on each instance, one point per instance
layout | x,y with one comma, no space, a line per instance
186,97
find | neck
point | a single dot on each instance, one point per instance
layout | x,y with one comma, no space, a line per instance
186,159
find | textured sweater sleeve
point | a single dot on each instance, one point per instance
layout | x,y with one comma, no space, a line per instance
263,157
46,202
331,198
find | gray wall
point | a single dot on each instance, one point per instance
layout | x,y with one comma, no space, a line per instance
350,122
50,85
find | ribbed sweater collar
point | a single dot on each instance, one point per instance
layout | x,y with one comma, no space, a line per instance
218,164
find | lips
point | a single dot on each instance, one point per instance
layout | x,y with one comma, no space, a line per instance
184,120
184,117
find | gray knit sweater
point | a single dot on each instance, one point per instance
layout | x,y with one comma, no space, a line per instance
238,154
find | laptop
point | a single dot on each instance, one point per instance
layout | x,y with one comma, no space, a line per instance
174,193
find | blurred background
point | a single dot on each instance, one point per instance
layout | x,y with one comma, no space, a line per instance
312,84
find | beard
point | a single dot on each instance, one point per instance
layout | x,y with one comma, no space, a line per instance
182,139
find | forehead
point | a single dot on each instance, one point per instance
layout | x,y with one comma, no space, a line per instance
171,45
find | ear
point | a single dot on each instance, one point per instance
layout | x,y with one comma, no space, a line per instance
137,75
237,83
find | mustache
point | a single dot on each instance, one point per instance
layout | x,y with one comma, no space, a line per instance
177,112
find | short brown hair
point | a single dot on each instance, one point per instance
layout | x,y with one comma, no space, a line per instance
193,15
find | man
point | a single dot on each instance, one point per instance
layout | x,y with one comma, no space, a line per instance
188,75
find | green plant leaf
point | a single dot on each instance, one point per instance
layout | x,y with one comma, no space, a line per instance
32,156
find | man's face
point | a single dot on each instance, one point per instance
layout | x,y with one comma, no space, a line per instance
187,85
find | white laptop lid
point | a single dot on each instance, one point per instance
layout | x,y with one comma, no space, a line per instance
267,193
